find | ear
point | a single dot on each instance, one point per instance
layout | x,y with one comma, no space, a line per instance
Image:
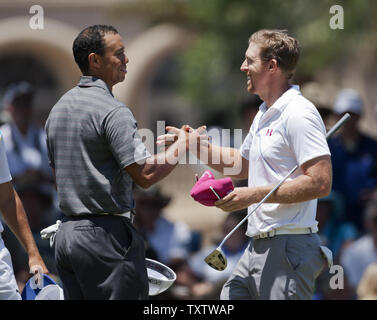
94,61
272,65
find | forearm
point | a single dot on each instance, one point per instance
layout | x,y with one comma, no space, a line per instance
226,160
301,189
162,164
16,219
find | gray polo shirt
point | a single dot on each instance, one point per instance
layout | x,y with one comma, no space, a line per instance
91,138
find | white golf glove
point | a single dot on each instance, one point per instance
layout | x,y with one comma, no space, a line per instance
50,232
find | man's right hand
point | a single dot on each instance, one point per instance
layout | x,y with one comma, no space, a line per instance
193,137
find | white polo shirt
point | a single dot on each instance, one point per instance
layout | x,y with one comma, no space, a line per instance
4,169
289,132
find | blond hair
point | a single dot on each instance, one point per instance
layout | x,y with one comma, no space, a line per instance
277,44
367,288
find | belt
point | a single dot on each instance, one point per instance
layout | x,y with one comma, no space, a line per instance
128,214
275,232
50,232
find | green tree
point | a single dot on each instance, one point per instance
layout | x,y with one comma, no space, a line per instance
209,72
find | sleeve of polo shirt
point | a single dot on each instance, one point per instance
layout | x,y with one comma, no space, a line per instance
245,147
5,175
306,134
120,129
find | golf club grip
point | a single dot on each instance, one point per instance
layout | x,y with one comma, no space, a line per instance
336,126
259,204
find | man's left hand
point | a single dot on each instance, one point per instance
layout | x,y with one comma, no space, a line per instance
36,263
238,199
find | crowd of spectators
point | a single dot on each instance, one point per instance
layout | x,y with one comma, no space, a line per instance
347,216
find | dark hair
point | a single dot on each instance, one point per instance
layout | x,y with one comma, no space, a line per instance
90,40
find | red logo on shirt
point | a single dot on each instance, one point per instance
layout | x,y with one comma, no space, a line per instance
269,132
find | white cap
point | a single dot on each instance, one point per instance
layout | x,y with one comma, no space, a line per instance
160,277
348,100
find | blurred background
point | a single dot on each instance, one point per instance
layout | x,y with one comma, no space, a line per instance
184,65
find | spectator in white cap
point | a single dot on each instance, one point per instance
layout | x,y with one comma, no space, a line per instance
354,157
348,100
25,142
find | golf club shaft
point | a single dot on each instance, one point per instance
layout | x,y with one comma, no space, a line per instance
337,125
215,193
328,135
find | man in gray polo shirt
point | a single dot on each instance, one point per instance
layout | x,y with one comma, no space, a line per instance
96,154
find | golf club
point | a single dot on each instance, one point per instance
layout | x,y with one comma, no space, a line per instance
215,193
217,259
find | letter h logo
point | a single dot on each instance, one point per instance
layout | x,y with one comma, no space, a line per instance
269,132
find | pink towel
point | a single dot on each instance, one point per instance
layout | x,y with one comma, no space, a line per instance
203,194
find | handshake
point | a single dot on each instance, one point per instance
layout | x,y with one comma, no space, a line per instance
188,137
207,189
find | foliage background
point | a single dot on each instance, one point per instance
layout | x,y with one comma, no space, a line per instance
208,72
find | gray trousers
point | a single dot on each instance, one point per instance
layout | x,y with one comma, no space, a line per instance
101,257
280,268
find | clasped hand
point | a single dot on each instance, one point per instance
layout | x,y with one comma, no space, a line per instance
192,137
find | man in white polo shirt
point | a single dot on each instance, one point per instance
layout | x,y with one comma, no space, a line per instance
14,215
284,257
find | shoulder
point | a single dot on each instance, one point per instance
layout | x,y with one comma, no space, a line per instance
119,113
66,96
299,106
88,97
93,101
301,113
106,105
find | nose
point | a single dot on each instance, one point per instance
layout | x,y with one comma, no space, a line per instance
243,67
